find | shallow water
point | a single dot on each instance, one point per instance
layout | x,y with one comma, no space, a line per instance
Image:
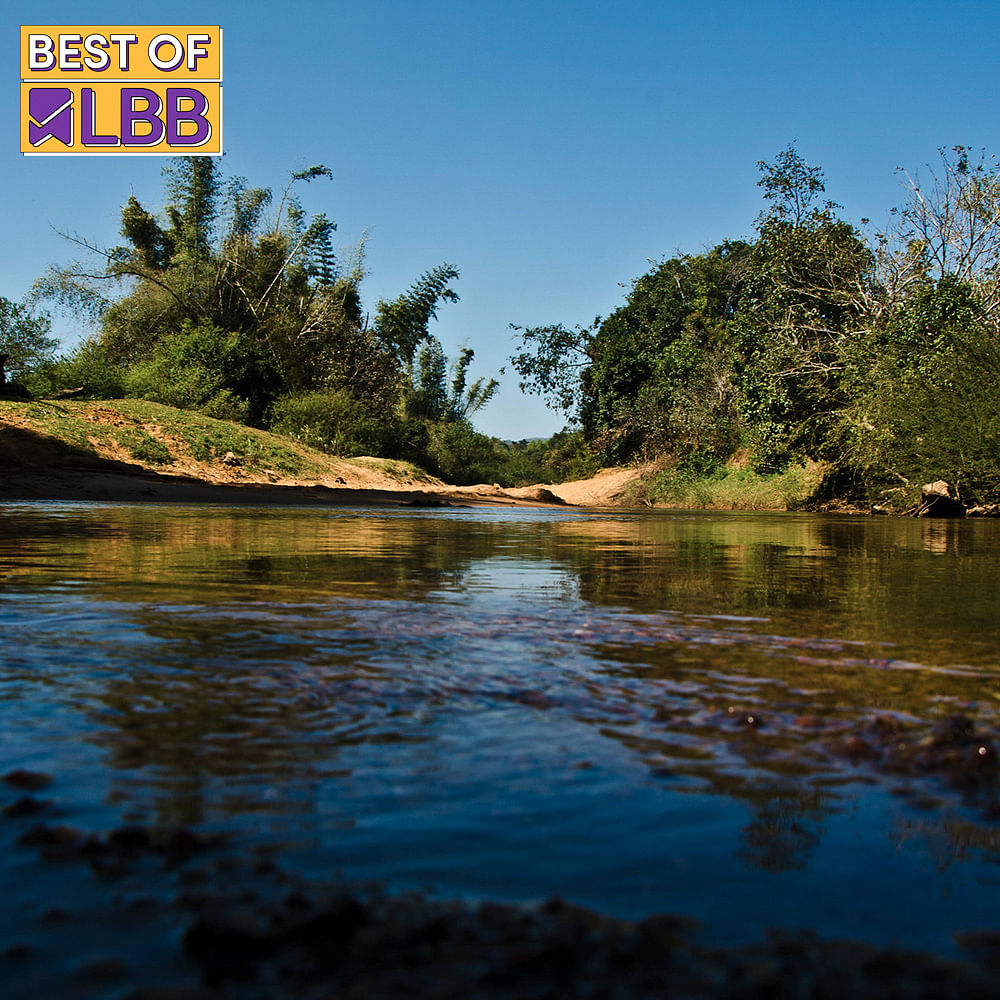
639,712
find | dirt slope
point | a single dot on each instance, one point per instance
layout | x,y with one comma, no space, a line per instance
134,450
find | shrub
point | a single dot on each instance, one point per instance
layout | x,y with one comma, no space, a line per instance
336,422
88,367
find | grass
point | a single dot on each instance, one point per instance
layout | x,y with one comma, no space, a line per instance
158,435
728,488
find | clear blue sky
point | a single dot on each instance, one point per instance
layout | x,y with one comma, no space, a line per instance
547,149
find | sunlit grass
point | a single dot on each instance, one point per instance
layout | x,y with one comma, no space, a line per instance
729,488
158,435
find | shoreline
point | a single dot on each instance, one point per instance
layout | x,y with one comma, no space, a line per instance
142,486
134,452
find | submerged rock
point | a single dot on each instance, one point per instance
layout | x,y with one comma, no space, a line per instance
28,780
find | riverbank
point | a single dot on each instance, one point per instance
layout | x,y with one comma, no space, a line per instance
134,451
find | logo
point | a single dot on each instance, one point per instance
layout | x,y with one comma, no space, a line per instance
114,89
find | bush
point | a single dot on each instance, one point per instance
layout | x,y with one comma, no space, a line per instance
461,455
88,367
204,368
561,458
336,422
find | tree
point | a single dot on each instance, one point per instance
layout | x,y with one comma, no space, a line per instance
24,339
403,323
551,362
948,227
434,398
737,346
791,186
923,395
806,286
922,379
660,377
258,300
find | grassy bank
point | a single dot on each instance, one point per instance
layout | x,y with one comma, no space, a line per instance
164,439
727,488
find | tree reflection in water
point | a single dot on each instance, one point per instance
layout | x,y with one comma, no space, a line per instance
500,678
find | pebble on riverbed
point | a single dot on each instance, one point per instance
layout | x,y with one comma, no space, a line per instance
953,751
251,930
27,780
111,853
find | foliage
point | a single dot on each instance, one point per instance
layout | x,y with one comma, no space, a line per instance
661,376
551,361
729,487
201,367
561,458
25,343
878,360
459,454
403,323
738,347
926,394
338,423
285,317
436,396
948,227
221,304
804,346
87,369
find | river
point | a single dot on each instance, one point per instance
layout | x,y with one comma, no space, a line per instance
756,720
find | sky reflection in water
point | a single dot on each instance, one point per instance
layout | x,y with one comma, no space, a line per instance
643,713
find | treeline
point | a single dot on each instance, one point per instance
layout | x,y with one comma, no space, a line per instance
877,356
241,308
874,354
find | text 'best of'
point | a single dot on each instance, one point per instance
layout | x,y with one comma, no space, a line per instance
121,89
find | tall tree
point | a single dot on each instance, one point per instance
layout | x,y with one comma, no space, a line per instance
948,227
404,322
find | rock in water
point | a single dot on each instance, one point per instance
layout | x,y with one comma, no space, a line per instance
936,501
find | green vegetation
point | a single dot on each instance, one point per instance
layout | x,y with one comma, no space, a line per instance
155,434
740,372
878,358
217,306
727,487
25,343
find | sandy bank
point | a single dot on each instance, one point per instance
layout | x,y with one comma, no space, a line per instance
95,452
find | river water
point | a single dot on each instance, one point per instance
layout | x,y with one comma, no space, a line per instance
640,712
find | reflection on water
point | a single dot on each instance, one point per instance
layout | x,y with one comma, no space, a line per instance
647,712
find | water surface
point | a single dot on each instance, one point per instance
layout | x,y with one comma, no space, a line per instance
639,712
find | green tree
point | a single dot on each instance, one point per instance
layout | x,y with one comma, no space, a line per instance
403,323
947,227
924,391
806,284
215,261
660,372
434,397
25,343
551,363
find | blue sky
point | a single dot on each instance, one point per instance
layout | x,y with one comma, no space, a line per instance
547,149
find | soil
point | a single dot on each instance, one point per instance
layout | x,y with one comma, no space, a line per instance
38,466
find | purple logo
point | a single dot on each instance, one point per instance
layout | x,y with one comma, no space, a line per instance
51,111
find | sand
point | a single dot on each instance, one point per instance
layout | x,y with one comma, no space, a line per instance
36,466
